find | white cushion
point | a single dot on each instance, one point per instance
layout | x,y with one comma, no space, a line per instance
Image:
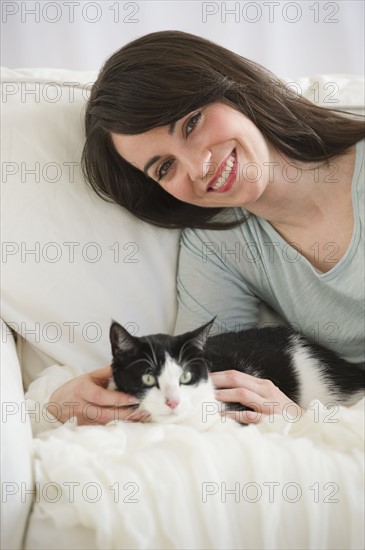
71,261
338,91
16,448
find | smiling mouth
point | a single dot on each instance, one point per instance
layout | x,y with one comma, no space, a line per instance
227,175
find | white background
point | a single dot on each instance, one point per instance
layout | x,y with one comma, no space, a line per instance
290,38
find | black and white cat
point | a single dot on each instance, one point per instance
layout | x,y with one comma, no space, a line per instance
170,374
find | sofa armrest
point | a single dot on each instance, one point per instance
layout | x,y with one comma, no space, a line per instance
16,448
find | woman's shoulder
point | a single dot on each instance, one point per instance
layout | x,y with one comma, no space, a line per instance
219,244
245,222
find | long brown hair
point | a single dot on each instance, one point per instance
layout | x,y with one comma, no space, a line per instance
160,78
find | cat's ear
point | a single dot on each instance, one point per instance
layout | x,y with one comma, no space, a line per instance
120,338
199,336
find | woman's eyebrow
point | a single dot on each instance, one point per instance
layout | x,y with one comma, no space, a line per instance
149,163
154,159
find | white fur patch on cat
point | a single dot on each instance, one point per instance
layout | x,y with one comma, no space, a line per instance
311,379
174,401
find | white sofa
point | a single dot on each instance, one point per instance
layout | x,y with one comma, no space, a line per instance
72,262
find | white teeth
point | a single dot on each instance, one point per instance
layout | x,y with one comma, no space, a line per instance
225,174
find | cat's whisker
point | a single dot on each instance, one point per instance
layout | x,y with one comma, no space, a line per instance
192,360
198,361
154,358
152,364
136,362
182,351
192,351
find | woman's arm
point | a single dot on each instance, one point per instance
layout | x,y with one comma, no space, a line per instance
207,287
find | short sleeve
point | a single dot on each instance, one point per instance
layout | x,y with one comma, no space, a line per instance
207,287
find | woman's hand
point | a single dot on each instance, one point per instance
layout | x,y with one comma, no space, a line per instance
86,398
259,394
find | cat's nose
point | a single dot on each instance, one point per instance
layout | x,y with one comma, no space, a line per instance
172,403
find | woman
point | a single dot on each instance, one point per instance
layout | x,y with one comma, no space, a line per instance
267,185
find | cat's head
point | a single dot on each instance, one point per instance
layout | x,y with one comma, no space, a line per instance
168,374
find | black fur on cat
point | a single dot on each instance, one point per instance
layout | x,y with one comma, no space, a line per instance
301,369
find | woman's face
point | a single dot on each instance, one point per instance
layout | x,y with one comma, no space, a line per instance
212,157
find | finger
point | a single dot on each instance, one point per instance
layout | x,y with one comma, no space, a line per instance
111,398
252,400
245,417
234,379
240,395
108,397
95,415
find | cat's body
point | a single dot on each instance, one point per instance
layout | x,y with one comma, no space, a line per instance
170,374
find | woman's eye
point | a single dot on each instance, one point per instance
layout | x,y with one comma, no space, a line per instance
148,379
164,168
191,123
189,127
185,378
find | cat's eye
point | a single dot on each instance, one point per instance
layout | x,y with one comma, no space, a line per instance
185,378
148,379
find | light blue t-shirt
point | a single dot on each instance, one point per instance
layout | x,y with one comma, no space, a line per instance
229,273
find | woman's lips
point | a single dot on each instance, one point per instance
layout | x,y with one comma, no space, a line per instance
226,167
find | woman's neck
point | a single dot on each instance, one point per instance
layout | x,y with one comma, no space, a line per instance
301,193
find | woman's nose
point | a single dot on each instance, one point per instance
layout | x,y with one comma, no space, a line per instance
199,165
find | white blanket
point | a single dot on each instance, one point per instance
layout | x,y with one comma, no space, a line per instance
278,485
